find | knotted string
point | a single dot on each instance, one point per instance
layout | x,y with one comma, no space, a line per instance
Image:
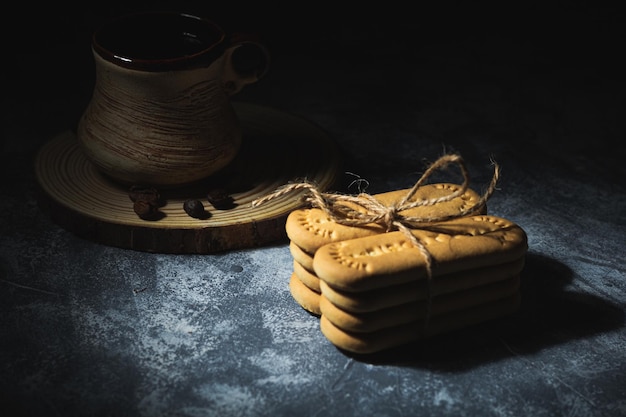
340,208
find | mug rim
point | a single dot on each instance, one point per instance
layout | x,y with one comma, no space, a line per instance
203,57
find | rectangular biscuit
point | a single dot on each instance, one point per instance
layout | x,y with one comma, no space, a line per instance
308,278
304,296
388,259
381,298
300,256
311,228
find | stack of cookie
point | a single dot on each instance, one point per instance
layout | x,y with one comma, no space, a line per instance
309,229
376,293
371,288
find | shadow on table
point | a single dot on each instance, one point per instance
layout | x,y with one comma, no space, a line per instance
550,315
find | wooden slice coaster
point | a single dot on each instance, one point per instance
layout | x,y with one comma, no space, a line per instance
277,148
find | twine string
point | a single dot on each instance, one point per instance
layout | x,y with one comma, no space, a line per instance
341,208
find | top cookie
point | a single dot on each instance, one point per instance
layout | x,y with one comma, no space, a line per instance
387,259
311,228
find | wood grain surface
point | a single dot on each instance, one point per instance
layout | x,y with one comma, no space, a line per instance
278,148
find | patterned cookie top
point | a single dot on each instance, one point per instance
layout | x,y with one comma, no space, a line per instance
311,228
385,259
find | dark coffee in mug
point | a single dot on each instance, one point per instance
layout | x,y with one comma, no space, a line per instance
157,37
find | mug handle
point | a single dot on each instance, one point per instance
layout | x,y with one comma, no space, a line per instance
246,61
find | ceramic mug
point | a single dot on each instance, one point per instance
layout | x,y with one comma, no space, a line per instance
160,112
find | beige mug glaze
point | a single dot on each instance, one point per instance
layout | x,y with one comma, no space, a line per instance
160,113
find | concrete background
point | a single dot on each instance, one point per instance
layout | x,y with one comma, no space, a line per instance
87,329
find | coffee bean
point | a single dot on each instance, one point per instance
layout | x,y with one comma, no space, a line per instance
194,208
220,199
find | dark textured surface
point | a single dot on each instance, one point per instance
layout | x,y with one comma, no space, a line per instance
94,330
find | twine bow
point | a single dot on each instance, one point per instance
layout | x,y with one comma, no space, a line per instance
340,207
